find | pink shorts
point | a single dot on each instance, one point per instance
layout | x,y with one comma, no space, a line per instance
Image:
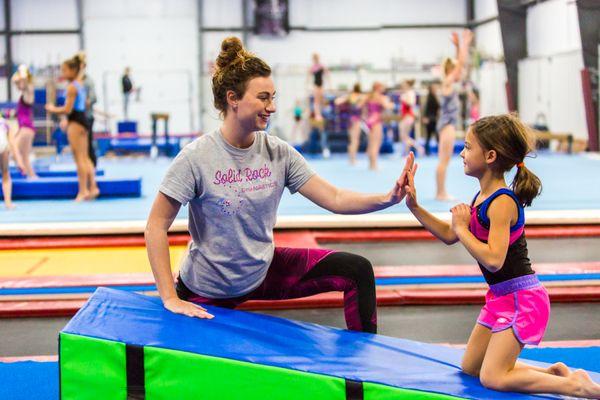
521,304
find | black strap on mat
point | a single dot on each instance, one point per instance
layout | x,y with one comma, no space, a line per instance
135,372
354,390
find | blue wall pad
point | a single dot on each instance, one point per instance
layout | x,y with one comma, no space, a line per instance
52,174
66,188
138,145
139,326
28,380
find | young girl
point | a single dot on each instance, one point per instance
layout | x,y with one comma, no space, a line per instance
492,229
446,127
376,103
318,70
408,99
4,154
23,139
354,100
77,128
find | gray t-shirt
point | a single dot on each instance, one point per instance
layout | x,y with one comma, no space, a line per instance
233,195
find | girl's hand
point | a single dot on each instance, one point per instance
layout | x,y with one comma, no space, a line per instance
410,190
461,216
454,39
467,37
63,124
50,108
179,306
398,192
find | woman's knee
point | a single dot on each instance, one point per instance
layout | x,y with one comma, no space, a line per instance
361,268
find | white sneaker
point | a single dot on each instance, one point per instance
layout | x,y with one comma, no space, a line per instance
326,153
153,152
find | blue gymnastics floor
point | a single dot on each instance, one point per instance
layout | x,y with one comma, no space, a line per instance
39,380
571,182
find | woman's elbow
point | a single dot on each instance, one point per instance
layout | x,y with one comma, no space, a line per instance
152,228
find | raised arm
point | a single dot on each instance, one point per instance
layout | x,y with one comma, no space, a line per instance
462,54
163,213
342,201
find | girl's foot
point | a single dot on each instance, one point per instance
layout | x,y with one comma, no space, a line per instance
94,193
559,369
444,197
9,206
82,196
586,387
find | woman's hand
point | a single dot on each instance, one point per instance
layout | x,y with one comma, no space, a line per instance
461,216
178,306
51,108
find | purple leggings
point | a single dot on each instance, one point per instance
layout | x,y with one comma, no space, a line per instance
296,273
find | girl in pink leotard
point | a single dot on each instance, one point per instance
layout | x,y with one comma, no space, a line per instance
376,103
354,100
23,139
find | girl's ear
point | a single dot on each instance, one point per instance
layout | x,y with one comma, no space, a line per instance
490,156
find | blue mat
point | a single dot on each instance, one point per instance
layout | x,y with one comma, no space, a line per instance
39,380
28,380
388,281
566,181
138,145
52,174
66,188
141,320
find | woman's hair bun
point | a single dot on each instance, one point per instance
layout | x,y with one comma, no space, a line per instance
231,50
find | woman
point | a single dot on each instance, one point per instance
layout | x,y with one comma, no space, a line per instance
233,180
22,142
77,128
452,71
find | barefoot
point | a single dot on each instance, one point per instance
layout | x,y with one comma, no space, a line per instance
10,206
82,196
94,193
444,197
559,369
585,386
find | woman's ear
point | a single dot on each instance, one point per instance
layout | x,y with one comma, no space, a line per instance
232,99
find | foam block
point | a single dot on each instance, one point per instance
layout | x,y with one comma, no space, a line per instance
66,188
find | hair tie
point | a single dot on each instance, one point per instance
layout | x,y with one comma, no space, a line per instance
521,164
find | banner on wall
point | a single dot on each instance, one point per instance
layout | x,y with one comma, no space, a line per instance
271,17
